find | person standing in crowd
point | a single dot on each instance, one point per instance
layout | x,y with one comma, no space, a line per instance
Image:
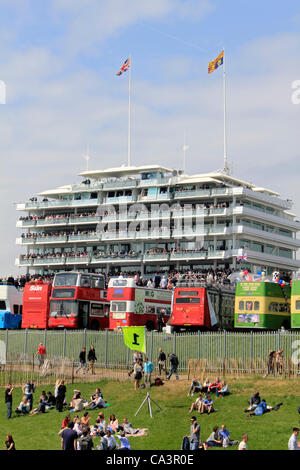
148,369
271,363
28,390
173,365
92,358
61,394
294,443
160,321
8,400
68,437
162,362
137,373
41,353
195,434
82,361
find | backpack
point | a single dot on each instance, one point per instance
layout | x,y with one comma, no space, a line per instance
158,382
85,443
226,442
185,443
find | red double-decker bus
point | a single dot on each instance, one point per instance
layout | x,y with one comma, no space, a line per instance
36,305
79,300
131,305
196,306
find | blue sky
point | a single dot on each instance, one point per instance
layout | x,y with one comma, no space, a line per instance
59,60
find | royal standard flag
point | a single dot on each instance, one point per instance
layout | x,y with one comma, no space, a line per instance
135,338
212,66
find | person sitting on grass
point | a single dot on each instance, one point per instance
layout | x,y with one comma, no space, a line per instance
125,445
195,387
224,390
24,407
224,436
113,424
112,443
103,444
197,404
51,399
213,440
97,402
10,443
97,392
86,441
253,403
40,409
85,420
206,385
77,425
78,403
207,405
66,421
215,386
263,408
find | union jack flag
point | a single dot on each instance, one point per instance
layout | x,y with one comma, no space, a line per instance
242,257
125,67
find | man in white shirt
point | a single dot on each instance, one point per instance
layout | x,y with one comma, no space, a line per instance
294,443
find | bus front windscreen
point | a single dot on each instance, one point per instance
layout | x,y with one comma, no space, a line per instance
65,280
63,308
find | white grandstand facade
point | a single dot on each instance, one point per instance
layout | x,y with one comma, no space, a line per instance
152,218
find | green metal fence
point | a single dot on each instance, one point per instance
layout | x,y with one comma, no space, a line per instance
237,350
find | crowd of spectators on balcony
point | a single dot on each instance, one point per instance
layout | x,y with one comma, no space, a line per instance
56,217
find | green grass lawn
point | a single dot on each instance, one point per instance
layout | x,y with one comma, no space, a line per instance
167,427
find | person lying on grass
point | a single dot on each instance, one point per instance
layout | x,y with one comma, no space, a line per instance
197,404
263,408
207,405
130,430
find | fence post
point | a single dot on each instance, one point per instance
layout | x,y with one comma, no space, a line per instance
25,342
6,345
65,342
251,353
84,337
151,347
198,346
106,348
174,343
45,338
225,352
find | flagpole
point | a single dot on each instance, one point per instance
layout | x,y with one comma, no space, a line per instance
129,114
224,104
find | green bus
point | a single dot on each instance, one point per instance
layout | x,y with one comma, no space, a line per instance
295,304
264,305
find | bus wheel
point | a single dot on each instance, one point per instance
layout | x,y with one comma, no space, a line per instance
150,325
95,325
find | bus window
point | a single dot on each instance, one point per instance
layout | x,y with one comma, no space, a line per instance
273,307
188,300
118,306
241,305
119,283
98,282
186,293
249,306
97,309
85,281
256,305
16,309
2,305
150,310
106,310
65,280
297,305
284,307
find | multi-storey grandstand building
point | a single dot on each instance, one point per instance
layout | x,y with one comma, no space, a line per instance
153,218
